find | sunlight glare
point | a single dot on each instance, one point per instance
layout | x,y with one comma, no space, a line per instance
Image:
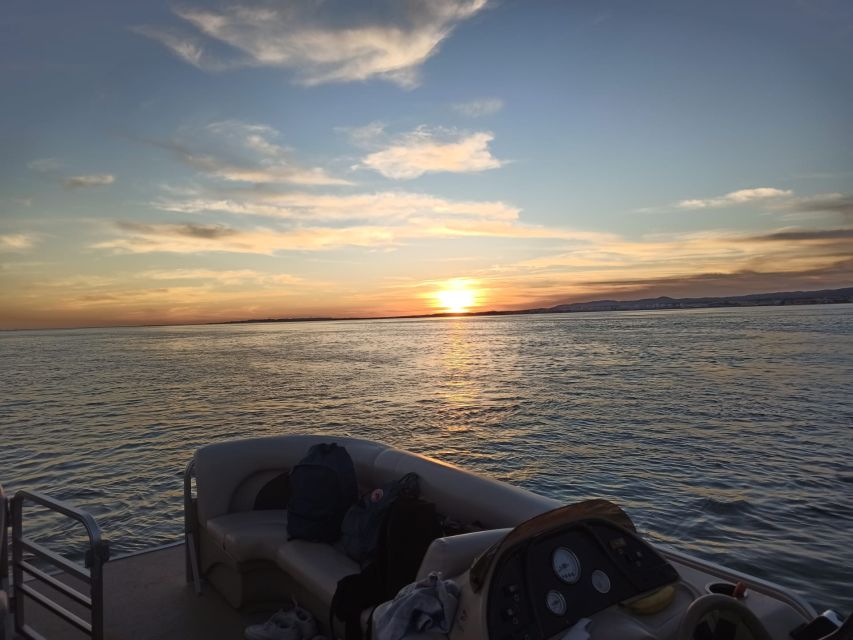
455,300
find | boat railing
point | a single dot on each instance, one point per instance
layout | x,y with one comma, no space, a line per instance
91,575
5,631
191,528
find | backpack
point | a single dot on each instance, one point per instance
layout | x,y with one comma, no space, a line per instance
322,488
363,522
409,527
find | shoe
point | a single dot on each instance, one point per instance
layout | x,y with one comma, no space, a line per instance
278,627
302,620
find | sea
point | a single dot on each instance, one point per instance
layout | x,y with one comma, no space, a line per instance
724,433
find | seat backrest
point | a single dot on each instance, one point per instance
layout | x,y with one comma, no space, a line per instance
221,468
461,495
455,554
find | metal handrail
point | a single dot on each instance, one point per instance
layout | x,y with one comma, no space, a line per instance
97,555
191,549
5,629
4,548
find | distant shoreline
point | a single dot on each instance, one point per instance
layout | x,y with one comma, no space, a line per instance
788,298
663,303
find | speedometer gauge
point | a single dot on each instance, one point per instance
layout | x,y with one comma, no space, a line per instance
556,602
566,565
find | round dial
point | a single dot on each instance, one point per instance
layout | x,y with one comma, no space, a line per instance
566,565
601,581
556,602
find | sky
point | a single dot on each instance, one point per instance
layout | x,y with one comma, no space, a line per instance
192,161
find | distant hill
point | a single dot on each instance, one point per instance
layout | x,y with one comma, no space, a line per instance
825,296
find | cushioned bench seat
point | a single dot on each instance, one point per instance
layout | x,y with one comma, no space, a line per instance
245,554
315,566
250,535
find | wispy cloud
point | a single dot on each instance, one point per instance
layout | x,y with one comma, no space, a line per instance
187,47
44,165
741,196
17,242
385,206
242,152
342,230
478,108
321,41
427,150
82,182
224,277
837,203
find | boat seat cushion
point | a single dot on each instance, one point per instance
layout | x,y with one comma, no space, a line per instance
250,535
316,566
453,555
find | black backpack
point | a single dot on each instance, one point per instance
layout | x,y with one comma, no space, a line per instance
322,488
410,526
363,522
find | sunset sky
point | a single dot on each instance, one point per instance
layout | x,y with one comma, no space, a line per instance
166,162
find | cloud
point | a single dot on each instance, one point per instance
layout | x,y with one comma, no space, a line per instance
189,238
839,203
742,196
226,277
44,165
322,222
80,182
807,235
16,242
187,47
384,206
241,152
478,108
431,151
321,41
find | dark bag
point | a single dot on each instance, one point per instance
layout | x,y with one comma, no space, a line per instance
363,521
322,488
409,528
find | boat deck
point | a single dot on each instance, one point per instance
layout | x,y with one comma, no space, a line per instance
146,596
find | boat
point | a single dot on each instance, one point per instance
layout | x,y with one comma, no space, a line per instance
526,566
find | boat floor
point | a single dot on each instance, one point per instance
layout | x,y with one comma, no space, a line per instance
146,596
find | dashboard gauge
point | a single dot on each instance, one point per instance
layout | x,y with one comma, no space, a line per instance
566,565
601,581
556,603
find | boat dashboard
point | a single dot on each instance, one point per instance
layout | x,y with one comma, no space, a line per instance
583,571
549,582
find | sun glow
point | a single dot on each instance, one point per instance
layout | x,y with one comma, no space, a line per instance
456,298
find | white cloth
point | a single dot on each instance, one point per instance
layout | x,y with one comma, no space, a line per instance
426,606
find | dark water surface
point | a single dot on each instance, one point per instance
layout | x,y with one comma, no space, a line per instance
724,433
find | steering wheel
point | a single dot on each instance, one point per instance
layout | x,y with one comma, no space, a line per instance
733,612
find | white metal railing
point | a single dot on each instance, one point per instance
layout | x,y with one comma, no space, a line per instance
91,574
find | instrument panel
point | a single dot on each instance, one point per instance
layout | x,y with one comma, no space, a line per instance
545,584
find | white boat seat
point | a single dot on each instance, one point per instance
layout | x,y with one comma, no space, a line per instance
453,555
316,566
250,535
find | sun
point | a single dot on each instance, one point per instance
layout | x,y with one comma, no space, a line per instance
455,299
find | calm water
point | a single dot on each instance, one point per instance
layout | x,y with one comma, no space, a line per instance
725,433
